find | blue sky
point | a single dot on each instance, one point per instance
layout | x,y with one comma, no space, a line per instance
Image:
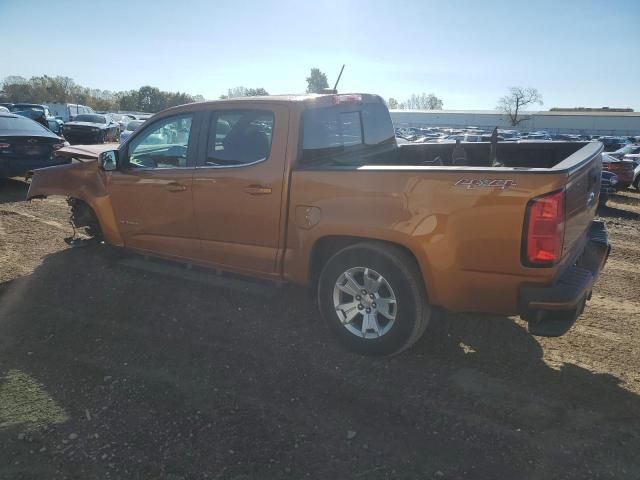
577,53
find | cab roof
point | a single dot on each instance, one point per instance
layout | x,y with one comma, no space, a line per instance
304,99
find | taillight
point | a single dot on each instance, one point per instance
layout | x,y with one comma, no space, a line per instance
544,233
338,99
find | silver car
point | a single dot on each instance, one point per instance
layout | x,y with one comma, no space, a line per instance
131,127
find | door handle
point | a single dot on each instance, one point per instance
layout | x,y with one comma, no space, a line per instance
257,190
175,187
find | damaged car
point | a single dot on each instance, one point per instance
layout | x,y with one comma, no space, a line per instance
91,128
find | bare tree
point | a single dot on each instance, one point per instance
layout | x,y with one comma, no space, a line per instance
392,103
518,99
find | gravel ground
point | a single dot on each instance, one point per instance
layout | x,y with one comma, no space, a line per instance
107,371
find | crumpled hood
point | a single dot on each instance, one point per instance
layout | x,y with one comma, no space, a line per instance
85,152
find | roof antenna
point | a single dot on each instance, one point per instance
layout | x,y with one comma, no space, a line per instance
335,87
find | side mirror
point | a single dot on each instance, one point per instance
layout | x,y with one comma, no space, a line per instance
108,160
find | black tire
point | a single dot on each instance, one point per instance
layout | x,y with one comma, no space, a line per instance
401,272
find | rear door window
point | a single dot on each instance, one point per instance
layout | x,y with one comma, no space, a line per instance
239,137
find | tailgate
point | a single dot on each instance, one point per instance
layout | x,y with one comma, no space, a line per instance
581,201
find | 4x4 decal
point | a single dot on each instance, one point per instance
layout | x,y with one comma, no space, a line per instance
470,183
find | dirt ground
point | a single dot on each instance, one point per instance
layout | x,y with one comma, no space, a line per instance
109,371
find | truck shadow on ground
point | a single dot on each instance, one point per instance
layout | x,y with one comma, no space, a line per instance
609,211
182,378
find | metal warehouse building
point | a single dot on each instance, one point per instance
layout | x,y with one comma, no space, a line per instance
583,122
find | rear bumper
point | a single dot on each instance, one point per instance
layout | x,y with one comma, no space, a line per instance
552,310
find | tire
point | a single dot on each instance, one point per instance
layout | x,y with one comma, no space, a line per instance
399,324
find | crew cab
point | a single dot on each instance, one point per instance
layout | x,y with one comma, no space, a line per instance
314,190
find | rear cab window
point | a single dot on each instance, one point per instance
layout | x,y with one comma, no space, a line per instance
346,134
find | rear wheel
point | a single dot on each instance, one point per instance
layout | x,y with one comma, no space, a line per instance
373,299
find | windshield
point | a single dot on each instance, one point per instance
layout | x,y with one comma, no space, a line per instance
22,108
91,118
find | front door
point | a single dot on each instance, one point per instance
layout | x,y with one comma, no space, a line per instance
238,187
152,194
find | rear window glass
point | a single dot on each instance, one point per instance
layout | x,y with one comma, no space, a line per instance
21,123
91,118
345,133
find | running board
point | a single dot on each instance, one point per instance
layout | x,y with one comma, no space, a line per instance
215,278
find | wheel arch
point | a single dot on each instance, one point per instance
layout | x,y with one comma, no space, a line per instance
327,246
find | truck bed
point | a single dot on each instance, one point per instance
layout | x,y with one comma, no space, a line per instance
508,154
465,223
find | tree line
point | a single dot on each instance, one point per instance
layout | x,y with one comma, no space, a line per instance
46,89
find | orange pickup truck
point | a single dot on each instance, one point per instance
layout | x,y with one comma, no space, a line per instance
313,189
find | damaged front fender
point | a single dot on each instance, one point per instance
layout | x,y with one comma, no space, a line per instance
82,180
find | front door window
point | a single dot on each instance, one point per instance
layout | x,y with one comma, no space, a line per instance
165,144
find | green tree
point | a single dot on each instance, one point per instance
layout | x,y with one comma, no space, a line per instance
316,81
46,89
392,103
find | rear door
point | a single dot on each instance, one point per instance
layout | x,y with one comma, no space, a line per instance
152,195
238,187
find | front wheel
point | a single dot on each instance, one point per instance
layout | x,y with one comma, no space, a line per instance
372,298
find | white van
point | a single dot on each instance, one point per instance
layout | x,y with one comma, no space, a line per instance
68,111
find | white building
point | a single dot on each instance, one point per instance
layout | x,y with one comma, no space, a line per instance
583,122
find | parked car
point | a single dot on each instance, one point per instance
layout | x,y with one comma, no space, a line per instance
628,149
91,128
26,145
608,184
622,168
4,109
122,120
132,126
38,113
634,157
611,144
315,190
537,136
68,111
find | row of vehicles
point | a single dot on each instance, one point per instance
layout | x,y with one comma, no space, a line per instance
30,136
76,123
477,134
